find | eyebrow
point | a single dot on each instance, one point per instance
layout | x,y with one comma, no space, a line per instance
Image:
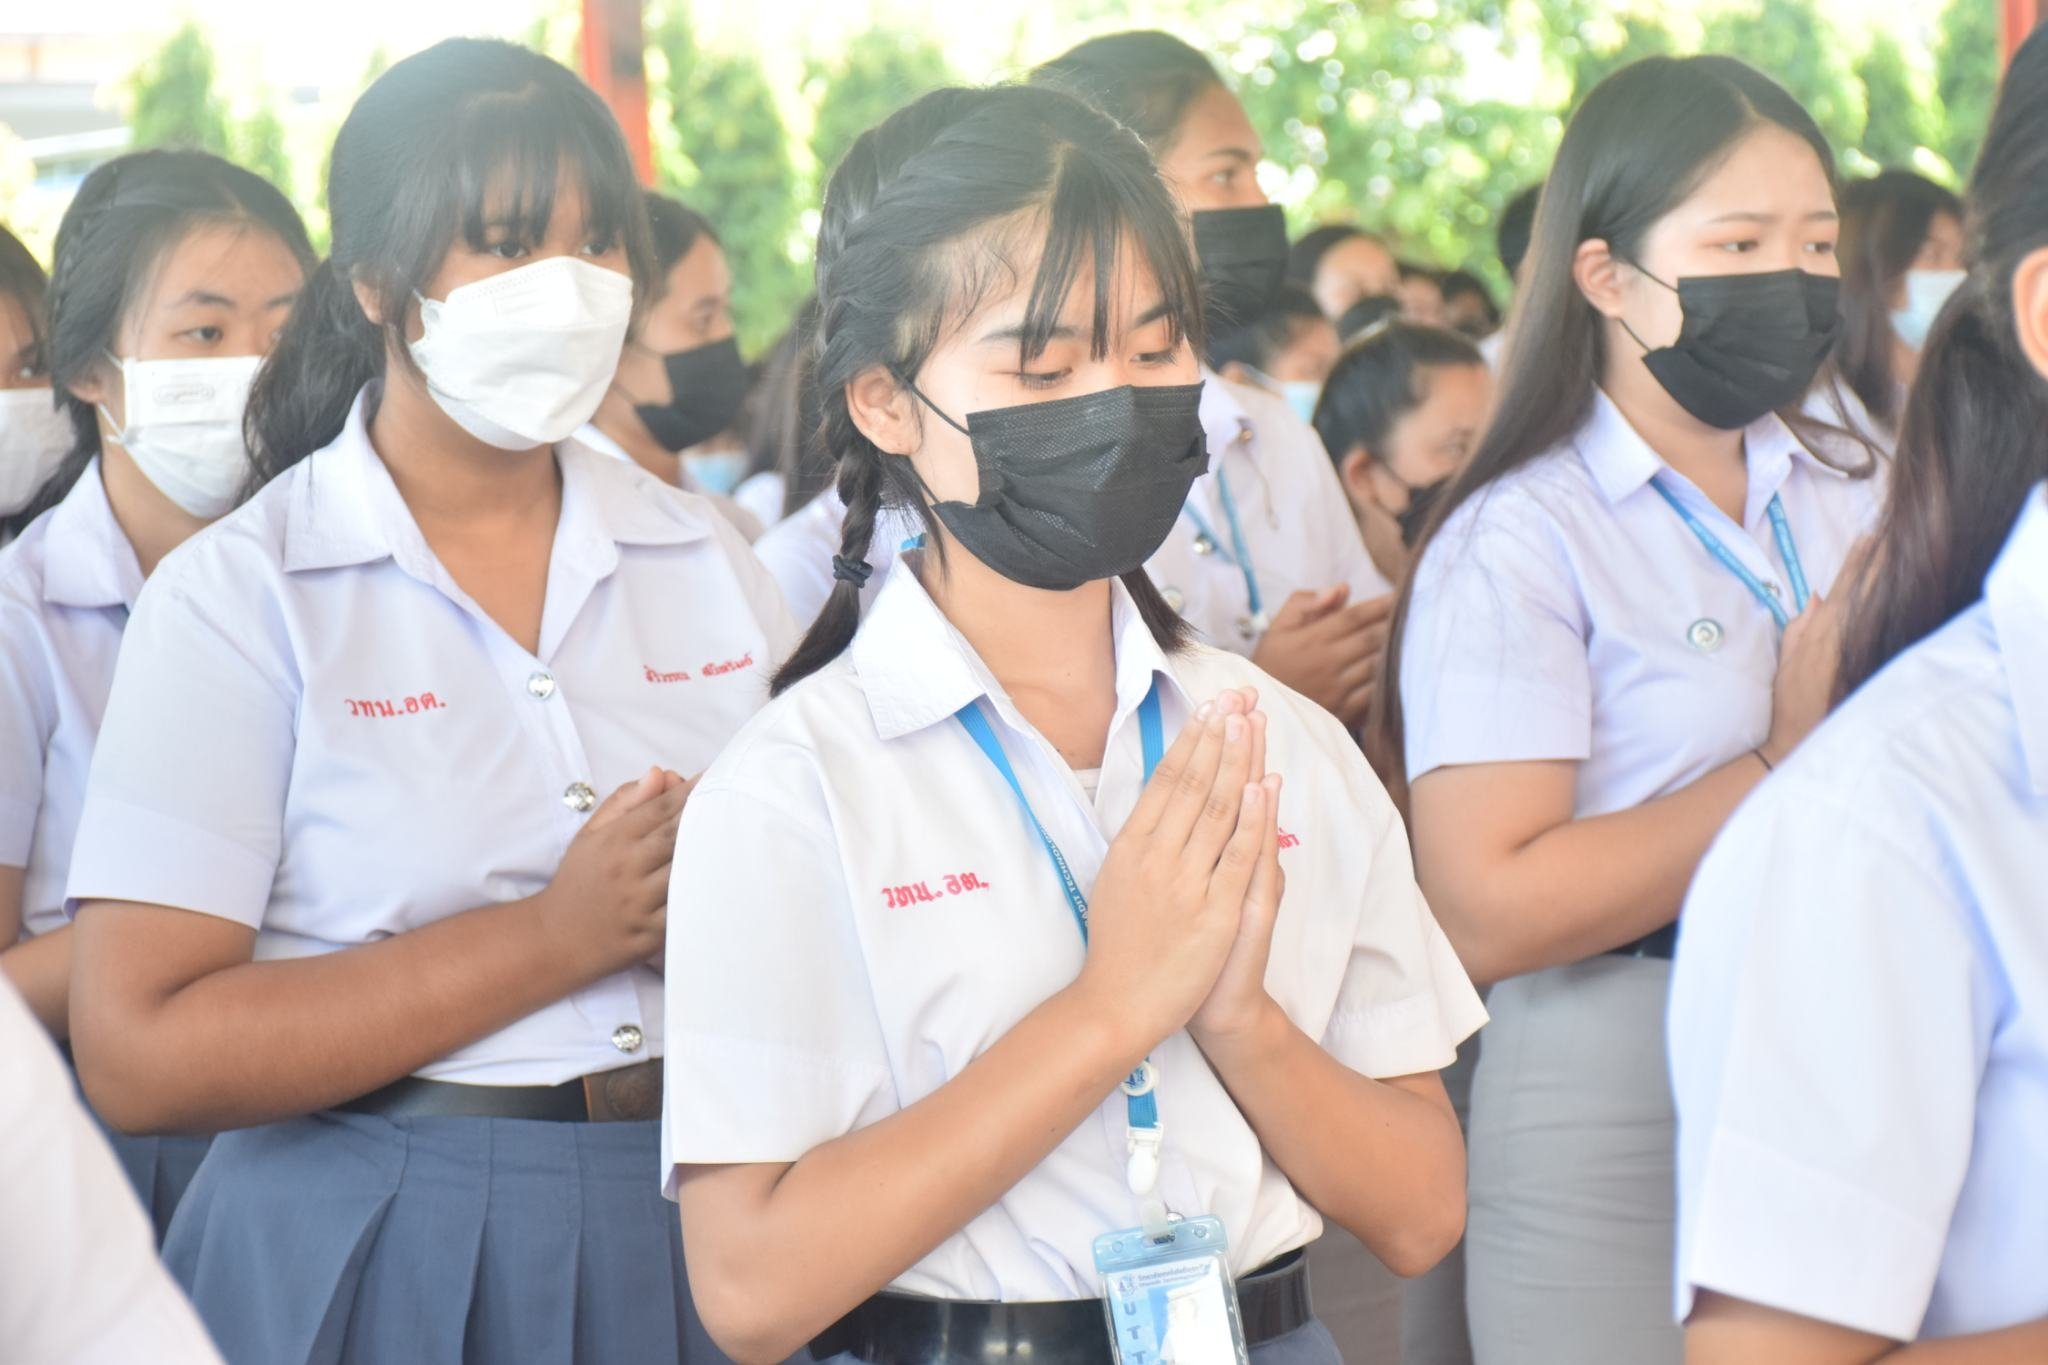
1065,332
1248,155
206,298
1817,216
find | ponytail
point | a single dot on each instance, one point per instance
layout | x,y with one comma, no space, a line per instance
329,350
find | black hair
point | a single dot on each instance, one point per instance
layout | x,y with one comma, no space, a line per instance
126,217
1970,453
1379,379
1642,142
673,230
1305,257
1885,222
1463,283
1260,338
896,265
783,417
1517,223
1144,79
1416,270
466,130
22,279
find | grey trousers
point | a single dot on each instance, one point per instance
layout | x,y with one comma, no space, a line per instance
1433,1329
1568,1249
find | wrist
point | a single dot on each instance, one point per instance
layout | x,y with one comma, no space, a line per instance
1242,1036
1110,1029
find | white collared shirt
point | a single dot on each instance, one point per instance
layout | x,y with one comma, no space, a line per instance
1297,523
860,910
1859,1011
742,518
1567,612
315,732
83,1283
66,587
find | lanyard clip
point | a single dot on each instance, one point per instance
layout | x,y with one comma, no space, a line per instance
1141,1172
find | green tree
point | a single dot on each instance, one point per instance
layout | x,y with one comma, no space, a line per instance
1968,61
1605,49
732,161
259,144
174,102
1801,50
1902,119
875,75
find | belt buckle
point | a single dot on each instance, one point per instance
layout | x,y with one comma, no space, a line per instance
628,1094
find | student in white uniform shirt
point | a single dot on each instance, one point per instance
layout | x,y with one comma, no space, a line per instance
1266,560
1859,1012
680,379
175,271
914,958
1902,256
373,861
83,1283
34,431
1617,625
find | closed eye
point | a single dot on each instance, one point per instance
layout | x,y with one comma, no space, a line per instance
1042,381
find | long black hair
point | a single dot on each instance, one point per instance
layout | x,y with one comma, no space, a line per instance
1378,380
783,417
125,218
1144,79
467,131
957,165
1885,221
1972,447
1644,139
22,279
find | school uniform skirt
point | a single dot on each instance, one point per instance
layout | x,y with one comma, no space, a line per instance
158,1168
351,1239
1569,1238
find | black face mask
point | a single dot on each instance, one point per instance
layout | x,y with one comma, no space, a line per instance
1078,489
1415,515
1749,344
1243,258
1363,316
708,383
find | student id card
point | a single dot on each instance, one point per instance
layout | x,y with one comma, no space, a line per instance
1171,1300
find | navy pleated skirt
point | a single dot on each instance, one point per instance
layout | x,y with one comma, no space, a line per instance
346,1239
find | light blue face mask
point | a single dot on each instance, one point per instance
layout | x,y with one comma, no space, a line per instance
1926,292
1302,395
718,471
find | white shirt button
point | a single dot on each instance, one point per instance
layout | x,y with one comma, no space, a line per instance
1175,599
627,1038
1704,636
541,685
579,797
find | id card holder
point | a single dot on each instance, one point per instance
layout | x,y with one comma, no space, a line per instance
1171,1300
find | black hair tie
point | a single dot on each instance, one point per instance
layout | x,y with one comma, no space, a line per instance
854,571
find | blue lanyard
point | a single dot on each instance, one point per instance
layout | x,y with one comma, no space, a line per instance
1240,552
1142,1107
1788,551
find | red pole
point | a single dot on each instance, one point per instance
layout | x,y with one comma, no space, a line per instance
615,64
2020,19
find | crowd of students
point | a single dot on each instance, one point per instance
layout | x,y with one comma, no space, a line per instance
982,835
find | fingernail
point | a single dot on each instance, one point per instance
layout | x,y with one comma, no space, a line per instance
1205,710
1272,780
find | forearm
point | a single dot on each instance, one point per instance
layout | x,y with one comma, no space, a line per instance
1584,887
40,969
253,1042
855,1213
1383,1160
1730,1331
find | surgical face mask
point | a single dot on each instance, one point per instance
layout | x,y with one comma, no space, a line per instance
706,384
35,435
1078,489
1242,254
1301,394
1747,345
1926,292
184,427
522,359
718,471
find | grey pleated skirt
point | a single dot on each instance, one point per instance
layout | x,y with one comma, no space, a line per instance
159,1168
345,1239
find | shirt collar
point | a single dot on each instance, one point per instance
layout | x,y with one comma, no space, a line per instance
87,559
917,670
1622,462
345,510
1225,420
2016,591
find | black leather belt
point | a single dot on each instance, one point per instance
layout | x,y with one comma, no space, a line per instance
904,1329
628,1094
1660,945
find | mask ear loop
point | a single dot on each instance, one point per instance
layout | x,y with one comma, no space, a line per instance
1637,267
907,383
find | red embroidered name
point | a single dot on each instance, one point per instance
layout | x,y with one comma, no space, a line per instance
1288,840
655,675
730,665
398,706
917,893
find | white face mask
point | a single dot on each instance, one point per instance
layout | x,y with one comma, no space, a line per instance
1926,292
523,359
34,437
184,428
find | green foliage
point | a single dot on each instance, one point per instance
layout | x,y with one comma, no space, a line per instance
1902,115
875,75
732,160
174,100
1968,56
259,144
1789,40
